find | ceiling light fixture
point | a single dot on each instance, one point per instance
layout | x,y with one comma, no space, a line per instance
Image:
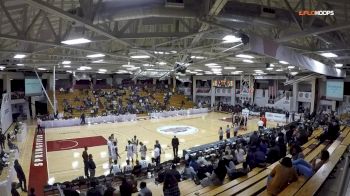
329,55
293,73
76,41
244,56
279,70
161,63
66,62
19,56
2,67
284,62
98,61
247,61
95,55
102,70
66,66
338,65
291,67
198,57
20,64
211,64
231,39
128,65
140,57
41,69
148,65
269,68
272,65
229,67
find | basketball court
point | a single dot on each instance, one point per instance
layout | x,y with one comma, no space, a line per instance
65,145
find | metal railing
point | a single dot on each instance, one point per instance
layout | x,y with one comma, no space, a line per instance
343,186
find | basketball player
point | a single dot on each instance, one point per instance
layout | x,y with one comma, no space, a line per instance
129,151
143,151
110,148
127,167
221,134
135,143
115,168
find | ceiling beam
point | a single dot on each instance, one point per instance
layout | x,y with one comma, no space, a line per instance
67,16
312,32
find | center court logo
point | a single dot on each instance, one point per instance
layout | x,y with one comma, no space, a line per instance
177,130
316,13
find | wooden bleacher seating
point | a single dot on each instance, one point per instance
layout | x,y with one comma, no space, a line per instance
294,187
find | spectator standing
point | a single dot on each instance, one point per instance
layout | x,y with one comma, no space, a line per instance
85,156
82,119
20,175
92,166
144,191
175,143
14,191
125,188
287,116
2,140
221,134
170,186
31,192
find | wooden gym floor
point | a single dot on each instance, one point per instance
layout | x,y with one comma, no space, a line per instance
66,165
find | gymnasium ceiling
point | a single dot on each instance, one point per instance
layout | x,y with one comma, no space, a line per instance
169,33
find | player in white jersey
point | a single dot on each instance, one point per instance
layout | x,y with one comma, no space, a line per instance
115,168
135,143
143,151
127,167
110,149
129,151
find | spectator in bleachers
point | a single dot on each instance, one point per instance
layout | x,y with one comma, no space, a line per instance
260,158
217,177
110,190
68,190
281,176
170,185
125,188
173,171
236,173
240,152
296,152
188,172
137,169
93,190
254,139
144,191
306,169
274,152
